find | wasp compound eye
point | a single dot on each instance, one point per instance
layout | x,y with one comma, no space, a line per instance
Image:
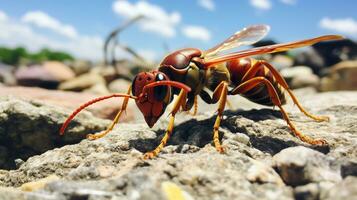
160,92
133,86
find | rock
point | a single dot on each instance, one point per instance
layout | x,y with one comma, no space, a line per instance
345,190
173,192
58,70
281,62
336,51
49,75
100,89
113,168
82,82
80,66
341,76
35,76
301,165
39,184
312,191
211,175
29,128
310,58
261,173
299,77
107,72
6,75
11,193
119,86
71,100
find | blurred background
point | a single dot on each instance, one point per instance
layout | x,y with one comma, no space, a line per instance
67,52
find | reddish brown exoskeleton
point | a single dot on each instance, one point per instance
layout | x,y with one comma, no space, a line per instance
189,72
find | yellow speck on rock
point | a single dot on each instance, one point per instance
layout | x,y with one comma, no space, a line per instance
174,192
39,184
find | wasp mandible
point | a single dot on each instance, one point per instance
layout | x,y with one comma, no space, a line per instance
190,72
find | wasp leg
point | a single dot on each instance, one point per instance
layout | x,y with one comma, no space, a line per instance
248,85
251,72
115,121
283,83
180,101
219,94
222,92
195,107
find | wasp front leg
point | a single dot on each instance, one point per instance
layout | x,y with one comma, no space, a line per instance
115,121
180,101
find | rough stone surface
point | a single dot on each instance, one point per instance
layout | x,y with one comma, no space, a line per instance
82,82
30,128
345,190
119,86
281,62
48,75
301,165
113,168
300,77
341,76
71,100
6,74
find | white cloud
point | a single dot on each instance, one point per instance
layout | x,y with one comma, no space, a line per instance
207,4
157,20
150,55
16,33
261,4
347,25
289,2
43,20
3,16
196,32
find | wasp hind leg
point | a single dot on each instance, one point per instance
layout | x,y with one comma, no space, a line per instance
283,83
250,84
115,121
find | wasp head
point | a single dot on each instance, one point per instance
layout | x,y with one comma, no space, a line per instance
151,101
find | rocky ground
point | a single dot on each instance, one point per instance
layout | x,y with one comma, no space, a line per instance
263,159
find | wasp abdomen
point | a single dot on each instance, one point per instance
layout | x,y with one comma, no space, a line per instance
238,69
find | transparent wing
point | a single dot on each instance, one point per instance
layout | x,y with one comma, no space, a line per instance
269,49
247,36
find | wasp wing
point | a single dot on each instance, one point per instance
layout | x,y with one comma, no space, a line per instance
246,36
269,49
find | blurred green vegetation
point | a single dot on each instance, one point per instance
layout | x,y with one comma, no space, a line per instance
20,55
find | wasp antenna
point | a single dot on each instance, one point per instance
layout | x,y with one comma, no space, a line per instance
170,83
80,108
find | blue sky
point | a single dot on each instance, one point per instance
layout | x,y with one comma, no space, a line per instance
80,26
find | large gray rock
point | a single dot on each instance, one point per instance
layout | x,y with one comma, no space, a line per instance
30,128
48,75
7,74
113,168
301,165
345,190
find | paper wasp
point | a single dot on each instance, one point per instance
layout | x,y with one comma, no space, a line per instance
189,72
